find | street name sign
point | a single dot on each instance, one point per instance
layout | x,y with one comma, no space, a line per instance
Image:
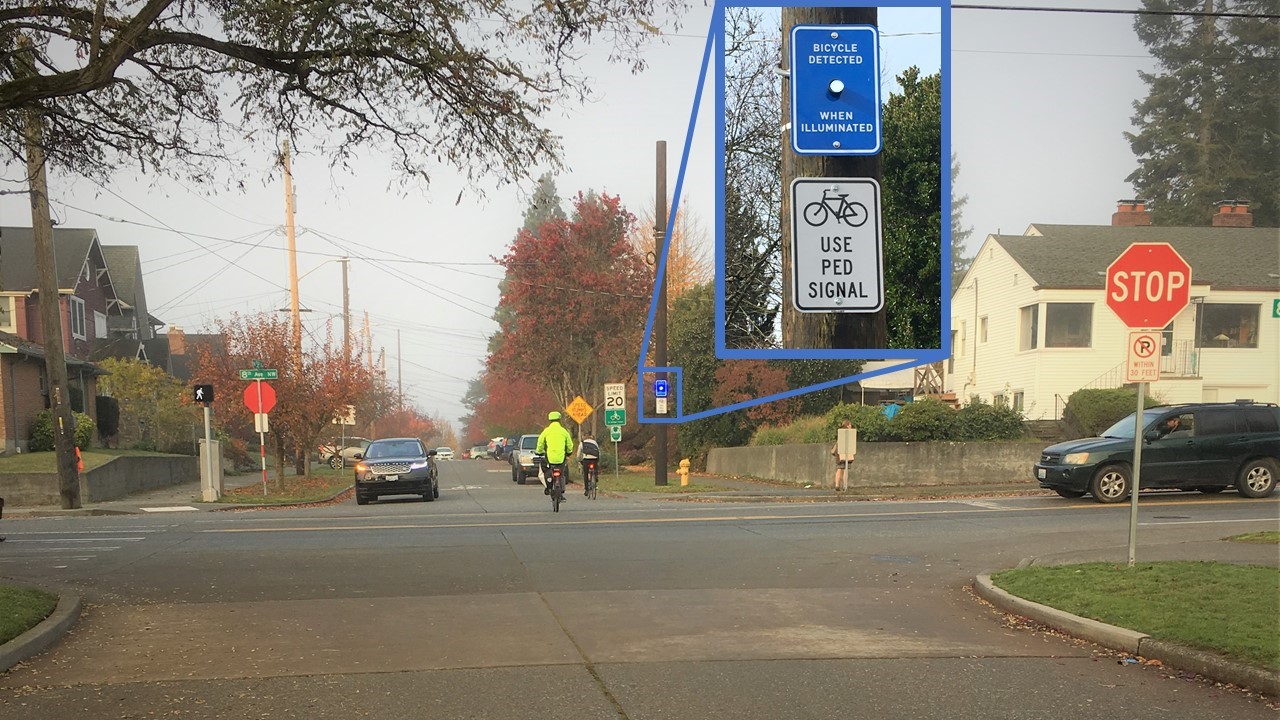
1275,308
259,374
1143,364
579,409
1148,285
837,245
835,90
615,416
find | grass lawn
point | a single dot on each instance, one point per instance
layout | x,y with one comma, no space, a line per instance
1231,609
322,484
46,462
631,481
22,609
1269,537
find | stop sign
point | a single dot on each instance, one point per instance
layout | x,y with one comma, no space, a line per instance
1148,285
268,397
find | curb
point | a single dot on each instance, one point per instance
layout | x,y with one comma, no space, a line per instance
224,507
42,636
1210,665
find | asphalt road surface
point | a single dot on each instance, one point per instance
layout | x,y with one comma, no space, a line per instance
485,604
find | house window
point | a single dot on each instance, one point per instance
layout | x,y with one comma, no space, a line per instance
77,318
6,314
1000,400
1017,401
1222,325
1068,325
951,361
982,329
1166,341
1029,327
99,324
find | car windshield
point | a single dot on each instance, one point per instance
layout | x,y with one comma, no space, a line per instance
394,448
529,442
444,449
1124,428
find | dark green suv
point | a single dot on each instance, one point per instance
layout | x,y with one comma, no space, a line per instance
1206,446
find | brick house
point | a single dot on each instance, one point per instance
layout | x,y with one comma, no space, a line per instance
86,301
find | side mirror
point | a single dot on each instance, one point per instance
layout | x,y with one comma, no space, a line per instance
357,456
431,453
1151,435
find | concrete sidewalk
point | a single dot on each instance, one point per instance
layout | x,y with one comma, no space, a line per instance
181,495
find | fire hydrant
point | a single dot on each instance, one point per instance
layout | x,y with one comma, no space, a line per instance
683,472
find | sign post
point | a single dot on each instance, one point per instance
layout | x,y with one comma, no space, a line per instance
615,416
210,487
837,246
1147,287
260,398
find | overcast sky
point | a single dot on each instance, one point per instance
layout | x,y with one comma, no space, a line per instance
1040,102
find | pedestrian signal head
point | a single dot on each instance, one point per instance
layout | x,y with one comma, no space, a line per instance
553,415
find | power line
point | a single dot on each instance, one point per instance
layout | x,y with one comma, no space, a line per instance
1117,11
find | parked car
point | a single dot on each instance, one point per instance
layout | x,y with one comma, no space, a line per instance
523,464
1203,446
396,466
444,453
329,451
478,452
503,451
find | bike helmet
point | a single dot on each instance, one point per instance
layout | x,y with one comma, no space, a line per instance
553,415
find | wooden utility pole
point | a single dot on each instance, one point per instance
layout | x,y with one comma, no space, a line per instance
55,361
660,315
822,331
294,310
346,314
399,369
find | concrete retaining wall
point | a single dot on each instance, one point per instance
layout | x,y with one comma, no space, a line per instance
885,463
117,478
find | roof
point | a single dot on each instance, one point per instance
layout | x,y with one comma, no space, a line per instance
11,344
1077,256
17,246
123,264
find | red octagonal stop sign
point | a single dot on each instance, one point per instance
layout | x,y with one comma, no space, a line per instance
1148,285
268,397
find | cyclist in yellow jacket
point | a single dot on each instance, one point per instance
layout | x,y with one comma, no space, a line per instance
556,444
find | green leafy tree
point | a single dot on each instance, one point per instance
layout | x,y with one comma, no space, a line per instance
155,411
1207,129
959,233
912,185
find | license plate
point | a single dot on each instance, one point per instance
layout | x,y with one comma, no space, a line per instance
391,478
1041,473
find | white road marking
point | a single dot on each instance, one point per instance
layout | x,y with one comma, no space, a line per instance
73,549
1212,522
71,540
52,559
83,532
174,508
467,487
498,471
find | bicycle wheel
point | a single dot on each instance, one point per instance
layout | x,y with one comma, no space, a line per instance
854,214
557,493
595,480
815,213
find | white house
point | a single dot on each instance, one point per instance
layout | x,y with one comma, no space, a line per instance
1030,325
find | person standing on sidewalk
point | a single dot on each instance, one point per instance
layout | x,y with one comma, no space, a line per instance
842,462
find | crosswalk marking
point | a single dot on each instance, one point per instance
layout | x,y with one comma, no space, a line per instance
172,508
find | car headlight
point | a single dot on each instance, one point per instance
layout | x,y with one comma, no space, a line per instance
419,465
1079,458
362,468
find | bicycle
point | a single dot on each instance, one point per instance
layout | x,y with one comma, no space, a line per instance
853,214
590,477
557,486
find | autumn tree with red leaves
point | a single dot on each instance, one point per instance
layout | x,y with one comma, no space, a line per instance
744,380
577,294
306,402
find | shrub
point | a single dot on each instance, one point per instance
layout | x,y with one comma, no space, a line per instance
41,436
108,416
869,420
924,420
979,421
770,435
1089,412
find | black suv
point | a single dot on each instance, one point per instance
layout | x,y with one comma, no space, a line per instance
1205,446
396,466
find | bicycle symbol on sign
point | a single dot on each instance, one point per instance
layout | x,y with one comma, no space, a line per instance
818,212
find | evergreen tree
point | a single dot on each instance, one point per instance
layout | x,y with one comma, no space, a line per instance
959,233
1209,127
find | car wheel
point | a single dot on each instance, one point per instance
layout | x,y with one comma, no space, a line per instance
1110,484
520,478
1211,489
1069,494
1257,478
362,499
335,462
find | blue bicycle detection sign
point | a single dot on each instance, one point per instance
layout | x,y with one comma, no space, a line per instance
835,90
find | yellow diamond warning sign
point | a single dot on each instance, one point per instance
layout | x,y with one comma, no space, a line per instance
579,409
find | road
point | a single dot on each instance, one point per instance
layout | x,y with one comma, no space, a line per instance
485,604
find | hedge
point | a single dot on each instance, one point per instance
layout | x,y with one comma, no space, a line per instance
1089,412
925,420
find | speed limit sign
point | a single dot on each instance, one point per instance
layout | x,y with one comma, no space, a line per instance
615,396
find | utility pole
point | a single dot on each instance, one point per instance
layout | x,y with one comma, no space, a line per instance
660,316
295,317
346,314
55,361
822,331
399,369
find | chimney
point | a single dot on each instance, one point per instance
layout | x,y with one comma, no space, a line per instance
1233,213
1131,213
177,341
